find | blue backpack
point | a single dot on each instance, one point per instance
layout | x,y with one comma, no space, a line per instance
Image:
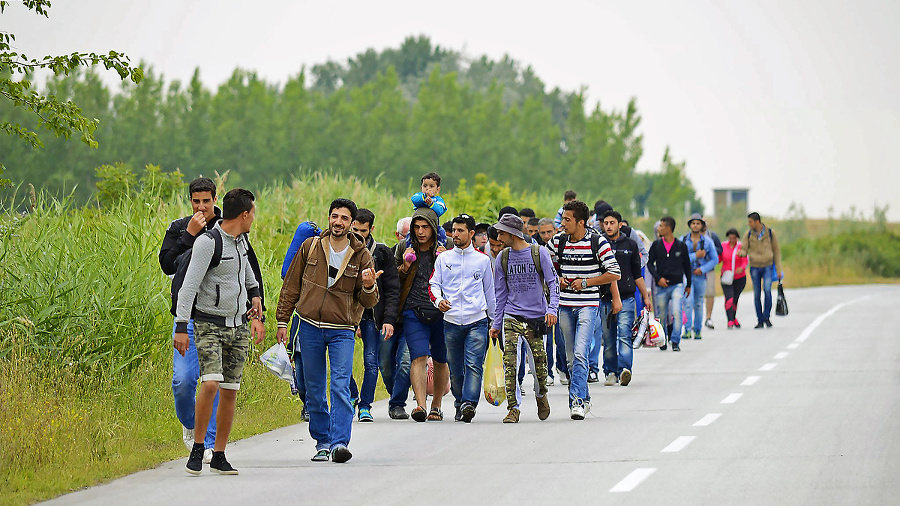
304,231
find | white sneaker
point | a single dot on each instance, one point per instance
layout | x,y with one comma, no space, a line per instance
207,455
187,435
709,323
522,389
577,412
610,379
563,380
549,381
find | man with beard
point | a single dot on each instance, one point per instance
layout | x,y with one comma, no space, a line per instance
423,324
331,279
462,287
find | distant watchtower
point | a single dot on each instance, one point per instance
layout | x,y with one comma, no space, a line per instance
730,201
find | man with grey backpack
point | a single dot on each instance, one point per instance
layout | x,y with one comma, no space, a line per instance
527,293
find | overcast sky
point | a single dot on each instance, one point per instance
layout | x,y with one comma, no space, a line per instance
796,100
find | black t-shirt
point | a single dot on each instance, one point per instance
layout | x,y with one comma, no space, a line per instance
629,258
418,292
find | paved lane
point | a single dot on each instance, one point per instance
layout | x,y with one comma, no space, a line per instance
741,417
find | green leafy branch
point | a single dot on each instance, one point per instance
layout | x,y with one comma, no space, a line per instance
63,118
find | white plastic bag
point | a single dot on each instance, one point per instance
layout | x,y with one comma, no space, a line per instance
656,334
639,330
278,363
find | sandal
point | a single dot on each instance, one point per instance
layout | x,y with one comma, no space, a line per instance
435,415
418,414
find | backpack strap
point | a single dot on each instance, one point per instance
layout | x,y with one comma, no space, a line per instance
504,262
595,244
536,258
312,247
561,246
216,236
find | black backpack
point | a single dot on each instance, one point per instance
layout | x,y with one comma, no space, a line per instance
184,259
595,244
181,266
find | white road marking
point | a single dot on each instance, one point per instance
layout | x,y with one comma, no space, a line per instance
751,380
731,399
708,419
818,321
780,355
678,444
793,346
633,480
768,367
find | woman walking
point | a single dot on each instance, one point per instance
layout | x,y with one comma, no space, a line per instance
734,276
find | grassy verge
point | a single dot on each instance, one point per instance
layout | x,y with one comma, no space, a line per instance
61,430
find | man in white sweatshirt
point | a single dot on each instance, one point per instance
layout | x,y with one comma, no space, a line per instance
462,287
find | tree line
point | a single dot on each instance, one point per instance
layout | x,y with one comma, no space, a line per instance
386,117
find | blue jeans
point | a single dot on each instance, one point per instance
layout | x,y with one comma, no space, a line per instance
617,346
596,342
560,358
400,385
185,374
297,356
328,428
370,338
466,347
666,298
762,276
695,305
577,326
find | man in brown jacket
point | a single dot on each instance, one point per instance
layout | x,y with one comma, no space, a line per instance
331,279
761,248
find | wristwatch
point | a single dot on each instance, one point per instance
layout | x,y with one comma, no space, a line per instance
583,284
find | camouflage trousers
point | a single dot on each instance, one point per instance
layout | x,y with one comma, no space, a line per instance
514,332
222,352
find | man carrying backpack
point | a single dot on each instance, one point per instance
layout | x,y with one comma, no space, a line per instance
527,292
585,262
329,283
179,238
703,257
217,285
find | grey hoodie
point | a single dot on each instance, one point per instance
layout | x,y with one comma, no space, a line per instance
222,292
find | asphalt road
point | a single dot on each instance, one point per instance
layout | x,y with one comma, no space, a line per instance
807,412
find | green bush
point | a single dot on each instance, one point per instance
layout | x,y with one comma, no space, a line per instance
873,253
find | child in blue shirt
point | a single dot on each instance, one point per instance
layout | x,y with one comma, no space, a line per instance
429,197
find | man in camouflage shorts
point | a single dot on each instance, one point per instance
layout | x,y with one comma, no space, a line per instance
527,294
216,297
222,352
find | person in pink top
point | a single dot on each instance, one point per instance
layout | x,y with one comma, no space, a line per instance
734,267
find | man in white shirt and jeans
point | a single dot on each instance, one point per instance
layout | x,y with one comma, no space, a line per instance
462,287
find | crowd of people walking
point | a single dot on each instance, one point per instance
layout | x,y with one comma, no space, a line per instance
427,308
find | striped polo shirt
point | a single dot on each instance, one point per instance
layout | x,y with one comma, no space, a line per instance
578,261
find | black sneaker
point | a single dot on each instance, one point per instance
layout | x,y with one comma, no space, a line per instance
458,416
759,325
195,461
398,413
467,413
675,347
663,347
768,323
592,377
218,464
340,454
